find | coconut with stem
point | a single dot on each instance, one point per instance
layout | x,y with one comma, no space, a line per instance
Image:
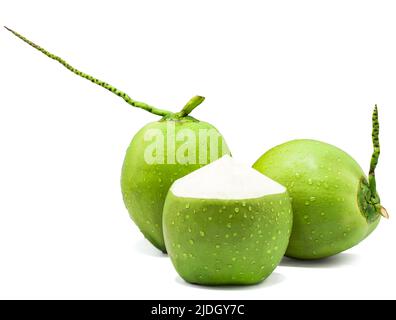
335,205
160,153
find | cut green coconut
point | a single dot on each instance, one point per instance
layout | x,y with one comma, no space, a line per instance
226,224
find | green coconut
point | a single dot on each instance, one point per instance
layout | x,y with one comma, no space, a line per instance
160,153
335,206
226,224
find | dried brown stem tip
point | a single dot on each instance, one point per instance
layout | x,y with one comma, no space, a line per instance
384,213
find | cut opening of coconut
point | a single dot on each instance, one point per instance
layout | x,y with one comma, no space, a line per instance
227,180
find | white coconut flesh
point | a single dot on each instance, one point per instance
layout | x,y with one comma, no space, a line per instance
226,180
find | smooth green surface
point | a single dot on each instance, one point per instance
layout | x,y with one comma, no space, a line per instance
226,242
324,183
145,186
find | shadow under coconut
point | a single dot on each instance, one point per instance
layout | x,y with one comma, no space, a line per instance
338,260
143,246
272,280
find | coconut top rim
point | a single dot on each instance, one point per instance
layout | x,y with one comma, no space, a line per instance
224,179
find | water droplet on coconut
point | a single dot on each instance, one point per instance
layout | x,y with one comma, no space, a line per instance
191,241
217,246
312,199
236,210
210,218
228,225
310,181
243,204
187,205
201,233
250,208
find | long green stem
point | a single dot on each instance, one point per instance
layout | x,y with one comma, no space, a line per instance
376,152
374,161
101,83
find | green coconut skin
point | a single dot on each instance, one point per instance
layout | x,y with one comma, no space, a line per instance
145,186
332,203
226,242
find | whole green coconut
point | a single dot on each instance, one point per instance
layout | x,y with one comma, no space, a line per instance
150,169
334,205
159,154
226,224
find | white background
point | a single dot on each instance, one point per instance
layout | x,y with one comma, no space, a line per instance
271,71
